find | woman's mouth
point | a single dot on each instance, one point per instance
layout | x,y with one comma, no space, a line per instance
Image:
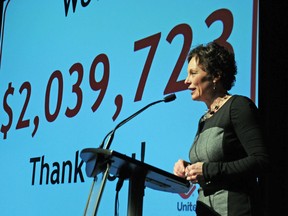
192,90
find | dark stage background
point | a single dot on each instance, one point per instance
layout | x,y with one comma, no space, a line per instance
273,99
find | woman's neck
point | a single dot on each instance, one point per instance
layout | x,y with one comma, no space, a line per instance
217,101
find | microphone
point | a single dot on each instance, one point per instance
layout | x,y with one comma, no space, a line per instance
166,99
169,98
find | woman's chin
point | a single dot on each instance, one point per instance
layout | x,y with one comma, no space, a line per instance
194,96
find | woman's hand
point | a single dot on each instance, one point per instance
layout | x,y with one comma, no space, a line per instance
179,168
194,172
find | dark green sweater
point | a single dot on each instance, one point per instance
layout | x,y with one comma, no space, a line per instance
231,145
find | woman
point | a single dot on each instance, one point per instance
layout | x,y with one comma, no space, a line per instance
228,154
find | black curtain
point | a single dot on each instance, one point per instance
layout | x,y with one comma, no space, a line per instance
273,100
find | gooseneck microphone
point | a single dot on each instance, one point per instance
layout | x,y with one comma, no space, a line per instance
96,163
166,99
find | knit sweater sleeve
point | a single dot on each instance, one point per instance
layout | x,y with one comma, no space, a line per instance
244,118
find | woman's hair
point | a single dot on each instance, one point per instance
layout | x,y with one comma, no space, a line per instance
217,61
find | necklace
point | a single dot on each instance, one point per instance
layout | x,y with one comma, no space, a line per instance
218,103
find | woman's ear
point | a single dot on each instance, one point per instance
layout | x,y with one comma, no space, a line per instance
216,78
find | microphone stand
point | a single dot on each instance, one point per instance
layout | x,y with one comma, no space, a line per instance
112,132
99,166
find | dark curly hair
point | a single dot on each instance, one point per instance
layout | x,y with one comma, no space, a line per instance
217,61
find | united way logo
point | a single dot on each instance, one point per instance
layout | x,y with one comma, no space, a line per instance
188,206
189,193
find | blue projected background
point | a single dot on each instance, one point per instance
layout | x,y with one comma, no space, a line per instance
72,70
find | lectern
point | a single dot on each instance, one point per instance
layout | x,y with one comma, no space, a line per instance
139,174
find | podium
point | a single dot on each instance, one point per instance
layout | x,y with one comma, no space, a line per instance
139,174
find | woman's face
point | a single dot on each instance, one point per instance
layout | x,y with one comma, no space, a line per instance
200,83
